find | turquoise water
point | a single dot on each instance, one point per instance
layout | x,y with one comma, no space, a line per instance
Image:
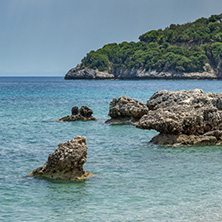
136,181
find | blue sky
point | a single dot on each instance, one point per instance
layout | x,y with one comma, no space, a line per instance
48,37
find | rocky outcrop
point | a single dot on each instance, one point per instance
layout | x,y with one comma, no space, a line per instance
66,162
126,110
153,74
82,114
184,118
80,72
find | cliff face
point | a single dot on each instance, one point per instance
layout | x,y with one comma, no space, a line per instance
80,72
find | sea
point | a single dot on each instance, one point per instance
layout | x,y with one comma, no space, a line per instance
135,180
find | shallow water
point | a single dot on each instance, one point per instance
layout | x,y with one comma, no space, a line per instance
136,181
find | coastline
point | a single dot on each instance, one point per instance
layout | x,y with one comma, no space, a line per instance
82,73
147,79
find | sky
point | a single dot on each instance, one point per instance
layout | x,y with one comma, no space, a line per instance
49,37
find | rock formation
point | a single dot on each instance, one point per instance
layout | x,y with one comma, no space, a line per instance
184,118
125,110
66,162
80,72
82,114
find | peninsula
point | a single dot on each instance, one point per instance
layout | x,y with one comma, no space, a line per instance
188,51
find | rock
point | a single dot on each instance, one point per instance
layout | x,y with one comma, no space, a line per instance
75,110
66,162
183,140
184,117
126,110
82,114
80,72
85,111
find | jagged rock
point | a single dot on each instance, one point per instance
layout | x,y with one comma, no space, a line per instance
82,114
184,117
66,162
126,110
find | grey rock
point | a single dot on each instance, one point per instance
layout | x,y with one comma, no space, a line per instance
126,110
66,162
81,72
184,117
82,114
184,140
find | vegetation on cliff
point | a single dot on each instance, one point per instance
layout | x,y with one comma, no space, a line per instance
191,47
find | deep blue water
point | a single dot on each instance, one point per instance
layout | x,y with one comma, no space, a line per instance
136,181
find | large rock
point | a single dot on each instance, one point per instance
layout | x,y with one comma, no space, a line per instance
125,109
80,72
66,162
82,114
184,117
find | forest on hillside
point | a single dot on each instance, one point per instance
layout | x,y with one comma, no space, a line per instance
191,47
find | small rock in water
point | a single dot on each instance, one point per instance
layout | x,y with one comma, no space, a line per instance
66,162
75,110
82,114
85,111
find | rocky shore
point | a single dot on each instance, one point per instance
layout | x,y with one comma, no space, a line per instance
181,118
66,162
82,114
184,118
81,72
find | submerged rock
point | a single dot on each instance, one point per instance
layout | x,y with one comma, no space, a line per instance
184,117
66,162
126,110
82,114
